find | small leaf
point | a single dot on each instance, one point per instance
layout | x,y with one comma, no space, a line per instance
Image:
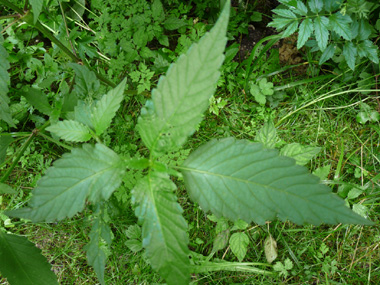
341,25
350,52
365,29
370,49
6,189
321,31
280,23
240,225
134,245
316,6
238,179
22,263
98,249
133,232
86,83
69,130
301,8
302,154
239,245
267,135
37,8
322,172
327,54
158,11
163,227
290,29
270,249
220,241
306,28
285,13
92,171
82,114
259,97
266,87
173,23
105,109
38,100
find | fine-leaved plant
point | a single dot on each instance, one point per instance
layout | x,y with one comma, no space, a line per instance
231,178
330,26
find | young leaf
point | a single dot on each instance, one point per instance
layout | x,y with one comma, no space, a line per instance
69,130
306,28
316,6
98,249
105,109
350,52
340,24
37,8
238,179
86,83
239,245
22,263
290,29
38,100
302,154
267,135
6,189
321,32
5,113
92,171
285,13
327,54
183,95
270,248
163,227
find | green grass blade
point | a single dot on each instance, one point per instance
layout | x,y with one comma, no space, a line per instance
241,180
183,94
164,230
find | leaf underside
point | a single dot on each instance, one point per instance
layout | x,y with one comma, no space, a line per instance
164,230
22,263
92,172
239,179
182,96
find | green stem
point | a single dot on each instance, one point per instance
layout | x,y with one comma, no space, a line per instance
21,152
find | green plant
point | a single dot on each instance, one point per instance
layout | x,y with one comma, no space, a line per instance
236,179
335,27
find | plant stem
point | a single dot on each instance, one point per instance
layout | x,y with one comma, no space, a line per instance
21,151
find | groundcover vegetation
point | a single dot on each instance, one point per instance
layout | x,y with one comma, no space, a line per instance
183,142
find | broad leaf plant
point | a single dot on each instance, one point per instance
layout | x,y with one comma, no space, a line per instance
236,179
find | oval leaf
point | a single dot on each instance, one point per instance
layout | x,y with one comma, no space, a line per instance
239,179
270,248
239,245
70,130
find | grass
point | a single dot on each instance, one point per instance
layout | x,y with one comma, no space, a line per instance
320,113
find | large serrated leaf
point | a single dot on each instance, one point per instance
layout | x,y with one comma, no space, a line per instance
92,172
22,263
98,248
163,227
341,25
71,131
105,109
321,31
238,179
183,94
305,30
